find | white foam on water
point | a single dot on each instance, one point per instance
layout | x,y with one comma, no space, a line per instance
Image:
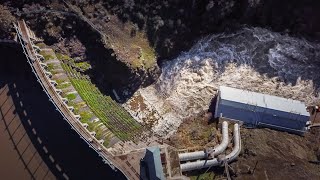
254,59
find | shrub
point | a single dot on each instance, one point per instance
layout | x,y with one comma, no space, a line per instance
71,97
6,20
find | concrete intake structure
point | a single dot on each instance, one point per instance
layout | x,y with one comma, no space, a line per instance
217,161
216,150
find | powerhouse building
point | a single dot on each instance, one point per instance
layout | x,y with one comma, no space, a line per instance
256,109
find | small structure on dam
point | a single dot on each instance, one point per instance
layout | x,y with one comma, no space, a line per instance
151,165
261,110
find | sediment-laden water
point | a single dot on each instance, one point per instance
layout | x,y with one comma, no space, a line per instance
254,59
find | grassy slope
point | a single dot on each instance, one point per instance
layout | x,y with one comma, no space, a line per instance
107,110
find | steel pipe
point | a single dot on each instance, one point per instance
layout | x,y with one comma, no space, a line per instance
216,150
215,162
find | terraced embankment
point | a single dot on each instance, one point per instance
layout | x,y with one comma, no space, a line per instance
41,70
110,113
23,101
99,113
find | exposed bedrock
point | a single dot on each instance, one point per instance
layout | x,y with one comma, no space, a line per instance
173,26
70,35
169,27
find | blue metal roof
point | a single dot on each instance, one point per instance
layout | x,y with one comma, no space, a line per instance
263,100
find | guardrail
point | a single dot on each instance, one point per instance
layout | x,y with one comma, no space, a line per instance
60,106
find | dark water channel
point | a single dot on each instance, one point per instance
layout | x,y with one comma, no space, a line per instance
72,157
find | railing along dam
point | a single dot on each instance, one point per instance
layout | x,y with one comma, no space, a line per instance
36,143
25,36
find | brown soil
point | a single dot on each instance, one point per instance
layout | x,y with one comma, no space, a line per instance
174,161
195,133
266,154
130,45
269,154
138,104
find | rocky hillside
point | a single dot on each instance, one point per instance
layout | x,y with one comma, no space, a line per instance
132,35
6,19
119,54
123,41
172,26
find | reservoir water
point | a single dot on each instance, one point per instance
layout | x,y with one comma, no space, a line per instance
36,142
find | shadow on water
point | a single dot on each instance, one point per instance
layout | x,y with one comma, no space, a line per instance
72,154
22,138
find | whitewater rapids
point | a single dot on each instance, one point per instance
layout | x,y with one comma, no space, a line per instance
253,59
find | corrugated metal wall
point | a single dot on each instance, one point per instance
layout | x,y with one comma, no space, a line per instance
253,116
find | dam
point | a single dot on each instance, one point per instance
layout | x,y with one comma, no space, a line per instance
31,140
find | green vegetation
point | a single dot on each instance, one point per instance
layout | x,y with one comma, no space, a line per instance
134,50
204,176
85,116
76,106
41,45
92,126
60,81
147,55
63,85
53,72
6,19
83,65
108,123
106,142
71,97
47,56
113,116
98,132
50,67
62,56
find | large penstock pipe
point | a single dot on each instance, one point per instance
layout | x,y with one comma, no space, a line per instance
216,150
237,145
214,162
